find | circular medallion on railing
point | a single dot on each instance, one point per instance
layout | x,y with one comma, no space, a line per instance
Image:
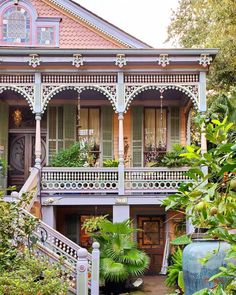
82,268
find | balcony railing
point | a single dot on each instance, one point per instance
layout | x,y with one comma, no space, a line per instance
79,180
106,180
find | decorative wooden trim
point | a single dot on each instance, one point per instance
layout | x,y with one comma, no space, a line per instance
161,78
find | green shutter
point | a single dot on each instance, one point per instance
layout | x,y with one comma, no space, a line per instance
4,113
69,125
107,134
174,126
137,134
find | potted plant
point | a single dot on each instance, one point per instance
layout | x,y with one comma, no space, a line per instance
120,258
209,200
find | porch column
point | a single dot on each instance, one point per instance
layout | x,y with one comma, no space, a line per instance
121,182
202,109
38,151
49,216
121,213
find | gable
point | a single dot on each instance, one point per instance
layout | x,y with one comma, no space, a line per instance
59,23
73,33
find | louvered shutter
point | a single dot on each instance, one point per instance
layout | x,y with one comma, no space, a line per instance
107,134
69,120
4,113
137,134
174,126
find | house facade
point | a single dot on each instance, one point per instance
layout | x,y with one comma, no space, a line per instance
67,76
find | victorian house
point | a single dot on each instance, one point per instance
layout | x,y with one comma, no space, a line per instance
66,76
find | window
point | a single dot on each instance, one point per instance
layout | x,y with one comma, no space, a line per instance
16,25
90,124
45,36
154,133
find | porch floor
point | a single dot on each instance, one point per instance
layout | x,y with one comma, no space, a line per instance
154,285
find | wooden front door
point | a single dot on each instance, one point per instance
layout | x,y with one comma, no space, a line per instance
151,240
21,157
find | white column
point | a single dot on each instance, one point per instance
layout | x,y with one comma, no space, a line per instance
121,213
188,133
82,272
95,269
48,216
38,151
121,183
202,109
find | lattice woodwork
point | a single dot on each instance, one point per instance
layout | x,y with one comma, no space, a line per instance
16,79
89,79
158,78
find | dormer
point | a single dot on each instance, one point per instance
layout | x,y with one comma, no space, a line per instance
21,26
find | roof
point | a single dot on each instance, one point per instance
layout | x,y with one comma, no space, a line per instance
98,23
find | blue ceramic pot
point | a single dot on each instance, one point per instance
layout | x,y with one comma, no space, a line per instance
196,275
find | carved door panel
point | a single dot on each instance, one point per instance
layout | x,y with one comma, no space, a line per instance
21,157
151,240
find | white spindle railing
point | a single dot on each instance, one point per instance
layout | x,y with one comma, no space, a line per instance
84,180
53,244
105,180
153,180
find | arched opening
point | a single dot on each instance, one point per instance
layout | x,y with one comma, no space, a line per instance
80,114
17,135
159,117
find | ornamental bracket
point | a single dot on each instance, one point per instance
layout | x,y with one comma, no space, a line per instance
163,60
78,60
121,60
205,60
34,60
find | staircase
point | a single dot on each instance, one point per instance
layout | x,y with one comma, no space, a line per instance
83,267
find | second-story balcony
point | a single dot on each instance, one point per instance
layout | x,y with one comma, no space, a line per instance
108,180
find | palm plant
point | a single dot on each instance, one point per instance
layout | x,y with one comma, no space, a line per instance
174,272
120,258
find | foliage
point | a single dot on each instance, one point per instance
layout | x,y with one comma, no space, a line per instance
182,240
20,269
223,105
93,223
32,275
174,271
201,23
120,257
77,155
210,198
111,163
173,158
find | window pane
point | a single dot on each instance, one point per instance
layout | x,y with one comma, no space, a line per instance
161,128
16,25
83,128
45,36
149,129
94,125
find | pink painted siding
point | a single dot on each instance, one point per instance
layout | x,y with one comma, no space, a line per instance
72,33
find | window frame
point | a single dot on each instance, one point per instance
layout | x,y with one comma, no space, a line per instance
35,22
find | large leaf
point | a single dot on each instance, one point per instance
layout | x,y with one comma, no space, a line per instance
113,271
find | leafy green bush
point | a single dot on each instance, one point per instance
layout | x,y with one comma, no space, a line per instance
110,163
174,271
74,156
21,270
209,199
120,258
174,158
